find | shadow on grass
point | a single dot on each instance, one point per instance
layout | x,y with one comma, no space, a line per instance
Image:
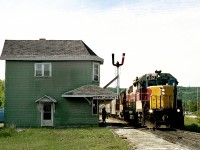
192,127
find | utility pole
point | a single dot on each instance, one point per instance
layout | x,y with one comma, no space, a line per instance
197,99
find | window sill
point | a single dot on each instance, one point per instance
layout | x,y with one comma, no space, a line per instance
42,76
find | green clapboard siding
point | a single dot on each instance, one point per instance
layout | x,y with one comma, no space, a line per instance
23,89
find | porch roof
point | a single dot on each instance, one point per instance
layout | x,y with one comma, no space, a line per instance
46,98
91,91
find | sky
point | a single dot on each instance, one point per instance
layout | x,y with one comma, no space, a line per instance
153,34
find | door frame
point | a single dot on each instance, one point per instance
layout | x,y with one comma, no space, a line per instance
51,122
40,105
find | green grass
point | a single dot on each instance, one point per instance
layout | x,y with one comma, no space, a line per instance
61,139
191,124
197,113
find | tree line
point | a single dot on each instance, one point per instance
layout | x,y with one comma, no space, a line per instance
190,97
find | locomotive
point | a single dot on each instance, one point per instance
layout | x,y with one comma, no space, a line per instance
152,101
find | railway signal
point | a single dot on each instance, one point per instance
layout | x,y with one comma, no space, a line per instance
117,64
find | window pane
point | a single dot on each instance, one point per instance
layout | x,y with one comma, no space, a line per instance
39,73
96,78
96,72
46,69
38,66
38,69
96,66
47,112
47,116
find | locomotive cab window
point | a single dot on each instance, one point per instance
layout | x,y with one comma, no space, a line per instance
162,82
152,82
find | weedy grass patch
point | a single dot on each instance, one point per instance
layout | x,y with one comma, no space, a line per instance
191,124
93,138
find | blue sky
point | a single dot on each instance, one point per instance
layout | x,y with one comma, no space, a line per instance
154,34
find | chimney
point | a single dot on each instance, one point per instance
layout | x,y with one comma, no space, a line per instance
42,39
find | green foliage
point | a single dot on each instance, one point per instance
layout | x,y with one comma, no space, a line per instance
197,113
8,131
115,89
189,97
192,127
2,93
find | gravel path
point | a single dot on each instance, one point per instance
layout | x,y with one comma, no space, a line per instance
140,140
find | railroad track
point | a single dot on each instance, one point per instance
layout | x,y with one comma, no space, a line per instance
186,138
190,140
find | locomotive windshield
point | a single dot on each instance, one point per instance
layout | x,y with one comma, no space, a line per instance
160,79
154,79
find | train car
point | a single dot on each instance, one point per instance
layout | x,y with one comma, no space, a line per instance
152,101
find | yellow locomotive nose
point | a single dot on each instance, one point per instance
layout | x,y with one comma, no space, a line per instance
162,97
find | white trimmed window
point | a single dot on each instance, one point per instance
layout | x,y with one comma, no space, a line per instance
95,72
42,69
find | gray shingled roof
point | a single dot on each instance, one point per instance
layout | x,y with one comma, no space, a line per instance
90,91
47,50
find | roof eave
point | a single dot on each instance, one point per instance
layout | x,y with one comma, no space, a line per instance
57,58
111,97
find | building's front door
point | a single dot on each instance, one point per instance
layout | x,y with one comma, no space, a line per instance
47,114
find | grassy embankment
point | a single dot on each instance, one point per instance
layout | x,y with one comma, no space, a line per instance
191,123
94,138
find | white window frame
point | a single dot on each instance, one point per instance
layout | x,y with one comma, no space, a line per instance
98,74
43,64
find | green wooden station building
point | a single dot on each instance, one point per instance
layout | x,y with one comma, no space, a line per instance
52,83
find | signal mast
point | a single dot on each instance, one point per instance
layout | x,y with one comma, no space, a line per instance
117,64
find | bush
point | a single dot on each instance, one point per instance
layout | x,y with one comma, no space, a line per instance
7,132
192,127
197,113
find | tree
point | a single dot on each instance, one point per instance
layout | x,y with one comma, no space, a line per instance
2,93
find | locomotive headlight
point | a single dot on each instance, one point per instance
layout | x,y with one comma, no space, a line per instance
150,111
178,110
163,91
